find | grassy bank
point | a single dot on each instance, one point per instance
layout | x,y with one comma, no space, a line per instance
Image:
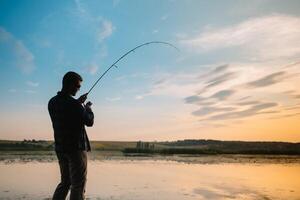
165,148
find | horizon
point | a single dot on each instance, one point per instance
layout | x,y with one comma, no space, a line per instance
28,140
235,78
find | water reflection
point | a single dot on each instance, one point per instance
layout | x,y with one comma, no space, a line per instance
161,179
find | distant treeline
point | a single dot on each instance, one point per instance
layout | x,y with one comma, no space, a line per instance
170,151
219,147
43,145
174,147
26,145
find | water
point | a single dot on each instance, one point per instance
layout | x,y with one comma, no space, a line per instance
160,178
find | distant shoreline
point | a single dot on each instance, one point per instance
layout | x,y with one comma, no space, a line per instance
189,147
11,157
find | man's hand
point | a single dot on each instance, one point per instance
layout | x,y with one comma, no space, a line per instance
82,98
88,105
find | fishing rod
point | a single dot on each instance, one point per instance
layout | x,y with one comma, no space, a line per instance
124,55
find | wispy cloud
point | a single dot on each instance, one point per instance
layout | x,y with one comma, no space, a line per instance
134,75
220,79
193,99
82,12
246,103
219,96
23,58
155,31
168,84
220,68
101,27
269,37
91,68
223,94
113,98
229,99
106,29
254,110
164,17
116,2
32,84
206,110
285,116
139,97
30,91
267,80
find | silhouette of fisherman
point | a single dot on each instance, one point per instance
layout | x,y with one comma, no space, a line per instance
69,117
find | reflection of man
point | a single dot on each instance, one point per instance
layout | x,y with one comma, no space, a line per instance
69,117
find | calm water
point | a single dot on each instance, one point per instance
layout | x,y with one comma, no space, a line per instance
148,179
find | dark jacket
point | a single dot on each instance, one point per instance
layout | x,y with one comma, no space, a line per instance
69,118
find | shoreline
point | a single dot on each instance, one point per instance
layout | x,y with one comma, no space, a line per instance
50,156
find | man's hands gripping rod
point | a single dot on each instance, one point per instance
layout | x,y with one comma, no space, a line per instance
82,99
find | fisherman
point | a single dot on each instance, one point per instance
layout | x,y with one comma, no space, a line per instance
69,117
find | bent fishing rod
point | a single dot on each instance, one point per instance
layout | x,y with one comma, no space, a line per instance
128,52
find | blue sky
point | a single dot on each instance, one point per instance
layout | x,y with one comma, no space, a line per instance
234,77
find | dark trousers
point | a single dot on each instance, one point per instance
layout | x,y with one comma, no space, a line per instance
73,170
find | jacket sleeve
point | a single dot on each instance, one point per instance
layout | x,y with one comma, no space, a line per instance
88,116
83,114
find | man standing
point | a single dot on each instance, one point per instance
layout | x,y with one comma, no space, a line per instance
69,117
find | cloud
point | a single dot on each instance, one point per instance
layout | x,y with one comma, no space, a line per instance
267,80
206,110
30,91
171,84
113,99
268,37
164,17
23,58
244,98
106,29
199,100
102,53
92,68
134,75
215,71
43,42
292,93
244,92
223,94
246,103
285,116
140,97
116,2
82,12
293,64
100,27
219,69
220,79
229,98
293,108
193,99
32,84
254,110
160,82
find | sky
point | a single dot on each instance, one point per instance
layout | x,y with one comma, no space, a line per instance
234,77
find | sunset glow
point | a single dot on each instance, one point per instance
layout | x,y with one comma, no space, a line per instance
236,77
